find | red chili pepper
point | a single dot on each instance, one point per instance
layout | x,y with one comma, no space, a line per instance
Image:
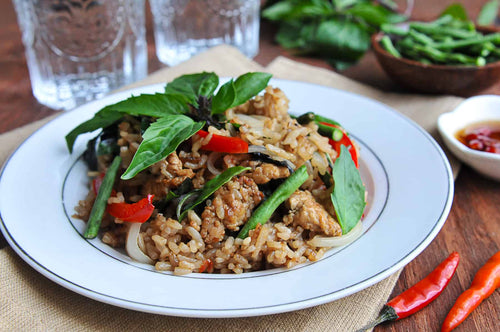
135,212
345,140
96,183
207,265
219,143
421,294
486,280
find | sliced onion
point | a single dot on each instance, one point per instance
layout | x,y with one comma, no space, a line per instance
132,244
257,148
337,241
212,158
252,121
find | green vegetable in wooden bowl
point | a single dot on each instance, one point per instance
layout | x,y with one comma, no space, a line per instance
446,56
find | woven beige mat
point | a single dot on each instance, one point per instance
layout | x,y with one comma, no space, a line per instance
29,301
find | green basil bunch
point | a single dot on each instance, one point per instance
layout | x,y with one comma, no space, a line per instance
336,30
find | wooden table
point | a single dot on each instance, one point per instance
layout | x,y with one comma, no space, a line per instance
472,228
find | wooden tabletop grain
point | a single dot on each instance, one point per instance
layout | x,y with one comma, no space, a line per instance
472,228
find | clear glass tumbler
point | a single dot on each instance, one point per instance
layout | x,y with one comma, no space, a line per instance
78,50
183,28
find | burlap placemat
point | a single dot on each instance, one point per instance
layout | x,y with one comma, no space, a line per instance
29,301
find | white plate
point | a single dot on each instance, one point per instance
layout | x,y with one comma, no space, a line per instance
406,173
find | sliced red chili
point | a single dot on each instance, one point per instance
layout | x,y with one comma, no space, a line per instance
135,212
345,140
96,183
219,143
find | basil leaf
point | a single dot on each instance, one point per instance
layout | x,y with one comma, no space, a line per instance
375,14
159,140
278,11
210,187
294,35
343,4
193,85
224,98
156,105
488,13
305,9
347,40
248,85
101,119
348,196
455,10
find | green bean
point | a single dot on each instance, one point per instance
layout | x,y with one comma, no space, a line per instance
329,131
445,31
493,38
481,49
306,118
420,37
443,20
264,211
389,47
101,200
393,29
319,118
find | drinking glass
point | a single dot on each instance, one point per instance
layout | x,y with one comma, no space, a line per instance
183,28
78,50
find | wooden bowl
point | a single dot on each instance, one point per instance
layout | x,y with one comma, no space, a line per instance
442,79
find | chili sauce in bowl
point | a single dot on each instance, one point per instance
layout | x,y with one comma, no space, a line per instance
472,133
482,136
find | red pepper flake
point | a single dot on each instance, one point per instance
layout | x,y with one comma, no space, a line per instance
207,265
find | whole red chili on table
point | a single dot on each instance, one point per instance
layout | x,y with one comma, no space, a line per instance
421,294
486,280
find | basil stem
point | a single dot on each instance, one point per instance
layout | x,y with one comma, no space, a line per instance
264,211
101,201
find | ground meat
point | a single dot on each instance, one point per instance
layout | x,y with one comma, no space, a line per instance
169,174
231,206
212,229
306,212
267,172
231,160
173,171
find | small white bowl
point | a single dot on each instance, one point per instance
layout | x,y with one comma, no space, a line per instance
471,111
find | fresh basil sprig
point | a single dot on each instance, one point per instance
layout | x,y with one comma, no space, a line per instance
161,139
187,105
154,105
348,196
336,30
199,196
